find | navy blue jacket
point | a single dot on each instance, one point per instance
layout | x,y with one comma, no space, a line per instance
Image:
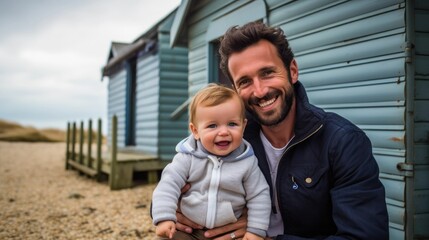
339,194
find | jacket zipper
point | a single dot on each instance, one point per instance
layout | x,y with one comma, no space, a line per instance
302,140
213,191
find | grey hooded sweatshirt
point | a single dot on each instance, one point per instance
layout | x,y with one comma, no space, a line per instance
220,188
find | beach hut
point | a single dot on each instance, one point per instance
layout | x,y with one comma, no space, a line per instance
148,81
366,60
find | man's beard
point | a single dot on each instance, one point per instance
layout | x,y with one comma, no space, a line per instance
284,111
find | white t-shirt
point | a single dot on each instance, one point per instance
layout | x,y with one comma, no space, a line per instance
274,155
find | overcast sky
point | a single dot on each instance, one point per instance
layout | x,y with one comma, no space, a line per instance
52,52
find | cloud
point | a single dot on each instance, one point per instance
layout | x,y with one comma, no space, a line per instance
52,52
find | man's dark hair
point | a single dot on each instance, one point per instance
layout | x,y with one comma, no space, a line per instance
238,38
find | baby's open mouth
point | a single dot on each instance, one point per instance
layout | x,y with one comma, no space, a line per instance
223,143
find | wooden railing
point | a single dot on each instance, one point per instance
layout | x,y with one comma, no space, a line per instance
80,160
119,167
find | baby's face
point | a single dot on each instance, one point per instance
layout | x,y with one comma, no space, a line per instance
220,128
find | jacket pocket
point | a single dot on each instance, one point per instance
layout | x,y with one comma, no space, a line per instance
194,207
308,177
225,214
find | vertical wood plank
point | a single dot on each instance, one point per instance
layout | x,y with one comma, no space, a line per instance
152,176
73,153
81,143
88,154
113,177
68,145
99,142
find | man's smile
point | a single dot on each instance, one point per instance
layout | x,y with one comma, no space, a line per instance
263,103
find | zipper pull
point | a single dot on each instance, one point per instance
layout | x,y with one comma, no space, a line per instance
294,186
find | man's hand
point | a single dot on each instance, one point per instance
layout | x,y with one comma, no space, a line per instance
184,224
224,232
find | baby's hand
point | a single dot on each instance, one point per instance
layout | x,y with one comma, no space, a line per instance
251,236
165,229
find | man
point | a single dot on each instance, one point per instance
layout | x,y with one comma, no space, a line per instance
322,174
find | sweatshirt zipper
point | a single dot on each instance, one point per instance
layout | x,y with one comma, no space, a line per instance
213,191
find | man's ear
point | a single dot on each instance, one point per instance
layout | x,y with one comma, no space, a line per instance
194,131
293,68
244,124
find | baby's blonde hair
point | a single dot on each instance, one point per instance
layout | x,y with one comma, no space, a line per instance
212,95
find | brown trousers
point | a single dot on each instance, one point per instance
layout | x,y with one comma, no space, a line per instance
197,234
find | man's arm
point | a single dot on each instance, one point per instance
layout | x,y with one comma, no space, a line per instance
224,232
358,196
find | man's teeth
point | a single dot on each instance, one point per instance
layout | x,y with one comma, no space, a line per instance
269,102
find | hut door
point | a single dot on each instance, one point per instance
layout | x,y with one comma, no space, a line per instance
130,126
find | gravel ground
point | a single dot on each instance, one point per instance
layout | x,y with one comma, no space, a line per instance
39,199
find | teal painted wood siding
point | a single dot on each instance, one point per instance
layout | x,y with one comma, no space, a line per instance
173,92
116,105
351,56
161,87
147,127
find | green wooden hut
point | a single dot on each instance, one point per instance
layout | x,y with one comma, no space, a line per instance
148,81
366,60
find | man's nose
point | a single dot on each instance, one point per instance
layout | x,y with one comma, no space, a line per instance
259,90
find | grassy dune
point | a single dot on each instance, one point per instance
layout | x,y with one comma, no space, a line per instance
14,132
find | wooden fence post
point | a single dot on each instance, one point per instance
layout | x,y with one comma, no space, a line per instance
99,144
113,170
73,153
81,143
67,145
89,159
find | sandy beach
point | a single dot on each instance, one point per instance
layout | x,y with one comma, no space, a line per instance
39,199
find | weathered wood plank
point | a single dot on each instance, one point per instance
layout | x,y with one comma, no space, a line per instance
89,145
82,168
81,143
99,143
115,172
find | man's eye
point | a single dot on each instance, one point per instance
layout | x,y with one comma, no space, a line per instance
243,83
267,73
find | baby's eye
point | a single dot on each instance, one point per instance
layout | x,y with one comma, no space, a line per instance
211,126
232,124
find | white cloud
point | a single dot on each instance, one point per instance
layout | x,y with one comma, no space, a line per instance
52,51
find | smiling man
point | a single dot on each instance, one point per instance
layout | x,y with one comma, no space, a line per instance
322,174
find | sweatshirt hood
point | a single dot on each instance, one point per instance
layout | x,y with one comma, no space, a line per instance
194,147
